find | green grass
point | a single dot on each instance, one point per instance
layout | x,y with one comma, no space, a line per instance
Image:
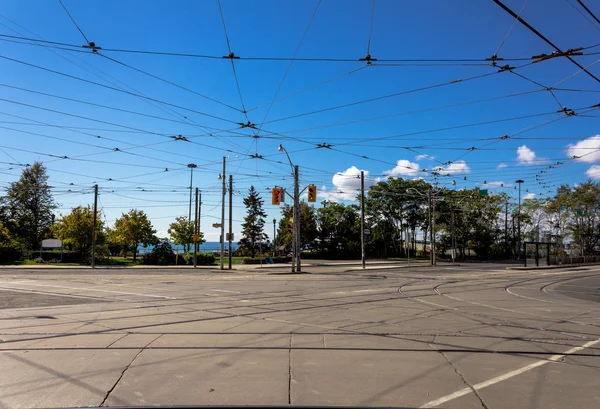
406,259
234,260
119,261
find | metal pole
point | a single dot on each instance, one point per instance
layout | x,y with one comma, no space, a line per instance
196,230
230,216
191,184
453,239
94,228
223,214
506,228
294,238
362,217
199,215
297,220
274,239
519,223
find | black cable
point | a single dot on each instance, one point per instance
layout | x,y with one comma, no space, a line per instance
74,22
540,35
371,28
589,11
169,82
116,89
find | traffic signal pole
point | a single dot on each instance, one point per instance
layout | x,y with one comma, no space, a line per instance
297,220
230,216
221,267
362,217
196,230
94,228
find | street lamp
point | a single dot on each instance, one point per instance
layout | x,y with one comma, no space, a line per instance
519,181
192,166
274,239
296,239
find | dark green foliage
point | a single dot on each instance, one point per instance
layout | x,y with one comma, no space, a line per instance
202,259
161,255
9,254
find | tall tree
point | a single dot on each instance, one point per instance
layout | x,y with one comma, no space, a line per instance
308,226
77,227
134,228
30,205
181,232
254,222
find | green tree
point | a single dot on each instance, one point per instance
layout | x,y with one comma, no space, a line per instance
30,205
338,229
76,229
181,232
254,222
5,236
134,229
308,226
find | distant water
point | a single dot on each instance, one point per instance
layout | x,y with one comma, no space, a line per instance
207,247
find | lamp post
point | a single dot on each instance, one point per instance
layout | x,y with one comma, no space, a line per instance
274,239
519,182
296,239
192,166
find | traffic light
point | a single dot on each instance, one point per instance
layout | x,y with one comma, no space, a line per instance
312,193
275,196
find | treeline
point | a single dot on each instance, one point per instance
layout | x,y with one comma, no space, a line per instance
485,225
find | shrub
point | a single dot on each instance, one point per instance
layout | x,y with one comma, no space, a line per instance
202,259
9,254
161,255
67,256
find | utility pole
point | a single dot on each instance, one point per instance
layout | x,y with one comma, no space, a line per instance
94,228
223,214
432,227
506,227
274,239
199,215
362,217
519,182
196,230
191,166
453,239
297,220
230,216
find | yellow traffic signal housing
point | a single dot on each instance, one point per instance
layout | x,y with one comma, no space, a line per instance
312,193
275,196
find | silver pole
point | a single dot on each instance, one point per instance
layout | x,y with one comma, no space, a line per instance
297,220
223,215
362,218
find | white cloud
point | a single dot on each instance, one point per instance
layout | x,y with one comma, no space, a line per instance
529,196
346,185
502,166
526,155
588,150
496,184
593,172
419,157
403,167
459,166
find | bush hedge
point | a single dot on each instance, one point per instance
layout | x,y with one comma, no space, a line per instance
9,254
202,259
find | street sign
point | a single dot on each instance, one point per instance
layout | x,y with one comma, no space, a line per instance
229,237
564,207
579,212
216,225
367,231
196,237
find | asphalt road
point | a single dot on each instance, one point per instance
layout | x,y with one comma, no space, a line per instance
471,336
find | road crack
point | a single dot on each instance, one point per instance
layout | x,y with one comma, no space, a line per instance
125,370
462,377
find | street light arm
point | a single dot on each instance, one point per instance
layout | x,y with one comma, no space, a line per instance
282,149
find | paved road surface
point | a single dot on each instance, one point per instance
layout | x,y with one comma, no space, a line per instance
474,336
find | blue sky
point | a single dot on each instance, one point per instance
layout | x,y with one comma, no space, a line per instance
409,134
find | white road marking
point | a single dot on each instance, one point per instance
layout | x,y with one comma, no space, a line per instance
225,291
96,289
506,376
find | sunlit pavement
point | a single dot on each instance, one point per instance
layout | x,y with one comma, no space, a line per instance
471,336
